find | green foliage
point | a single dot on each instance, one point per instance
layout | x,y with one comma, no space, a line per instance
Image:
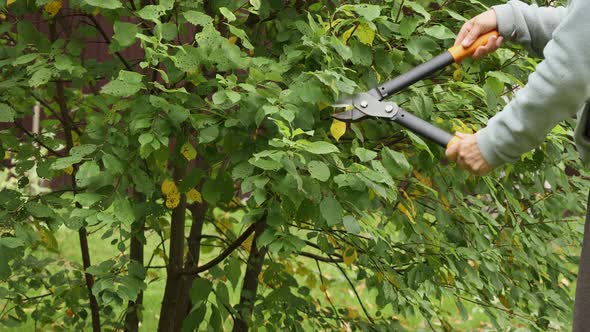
246,84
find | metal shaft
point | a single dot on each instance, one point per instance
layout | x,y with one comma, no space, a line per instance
414,75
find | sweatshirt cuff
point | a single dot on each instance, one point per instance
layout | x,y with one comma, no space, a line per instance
505,20
485,142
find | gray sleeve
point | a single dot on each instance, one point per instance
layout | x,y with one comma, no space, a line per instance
554,92
529,25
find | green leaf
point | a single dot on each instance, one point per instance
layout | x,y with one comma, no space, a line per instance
368,12
86,173
65,162
39,210
127,84
255,4
40,77
167,4
439,32
123,210
11,242
228,14
194,319
395,162
332,211
107,4
83,150
200,290
418,8
208,134
125,33
364,154
7,113
112,163
24,59
419,142
319,170
88,199
152,12
197,18
318,147
233,271
351,225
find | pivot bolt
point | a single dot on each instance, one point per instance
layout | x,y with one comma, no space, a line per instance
364,104
388,108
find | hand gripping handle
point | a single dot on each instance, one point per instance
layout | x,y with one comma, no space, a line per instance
459,52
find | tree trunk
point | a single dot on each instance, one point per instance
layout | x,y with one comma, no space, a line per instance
192,260
250,287
169,313
68,127
136,253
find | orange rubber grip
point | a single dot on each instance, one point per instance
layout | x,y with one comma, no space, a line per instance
459,52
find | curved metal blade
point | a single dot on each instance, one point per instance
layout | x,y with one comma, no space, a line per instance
349,116
345,101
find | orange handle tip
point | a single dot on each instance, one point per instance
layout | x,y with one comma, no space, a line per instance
459,52
453,140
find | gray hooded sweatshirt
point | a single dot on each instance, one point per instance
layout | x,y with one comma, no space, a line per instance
558,89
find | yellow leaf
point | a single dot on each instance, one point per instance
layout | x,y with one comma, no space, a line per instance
169,187
2,16
224,223
194,195
352,313
504,301
350,256
337,129
248,243
6,155
173,200
96,11
458,74
322,106
10,2
75,138
69,170
233,40
53,7
365,34
403,209
188,151
445,203
346,35
460,126
424,180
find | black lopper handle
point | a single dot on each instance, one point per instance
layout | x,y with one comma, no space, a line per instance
423,128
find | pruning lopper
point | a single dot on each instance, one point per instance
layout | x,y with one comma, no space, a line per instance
371,104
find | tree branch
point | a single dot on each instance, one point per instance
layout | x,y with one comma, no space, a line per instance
320,258
232,247
36,139
106,38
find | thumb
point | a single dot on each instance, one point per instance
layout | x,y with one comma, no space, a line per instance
472,35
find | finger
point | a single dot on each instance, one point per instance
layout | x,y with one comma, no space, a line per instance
499,41
453,149
471,36
461,135
463,32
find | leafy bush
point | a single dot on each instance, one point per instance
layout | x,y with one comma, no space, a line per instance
219,142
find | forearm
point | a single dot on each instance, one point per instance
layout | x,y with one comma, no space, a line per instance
557,89
529,25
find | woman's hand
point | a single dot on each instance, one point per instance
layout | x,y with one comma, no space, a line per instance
482,23
463,150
